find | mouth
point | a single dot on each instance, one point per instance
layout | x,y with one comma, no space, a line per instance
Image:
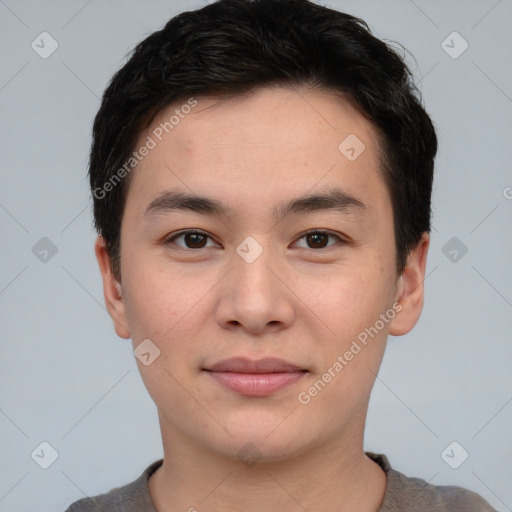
262,377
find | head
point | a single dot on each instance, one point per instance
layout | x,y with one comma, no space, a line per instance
294,146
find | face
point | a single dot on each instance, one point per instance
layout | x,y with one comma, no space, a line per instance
250,233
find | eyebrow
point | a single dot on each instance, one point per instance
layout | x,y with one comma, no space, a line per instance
334,199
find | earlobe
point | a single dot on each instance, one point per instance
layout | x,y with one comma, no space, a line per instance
112,290
410,289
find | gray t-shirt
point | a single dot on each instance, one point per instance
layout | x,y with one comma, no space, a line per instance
402,494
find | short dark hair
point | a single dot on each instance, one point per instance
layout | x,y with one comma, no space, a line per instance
231,47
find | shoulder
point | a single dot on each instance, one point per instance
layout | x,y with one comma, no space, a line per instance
406,494
133,497
420,495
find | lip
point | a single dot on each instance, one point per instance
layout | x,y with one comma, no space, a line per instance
261,377
246,365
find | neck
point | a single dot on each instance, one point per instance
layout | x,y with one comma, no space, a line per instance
333,477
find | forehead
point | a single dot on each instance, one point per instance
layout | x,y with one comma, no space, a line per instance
273,142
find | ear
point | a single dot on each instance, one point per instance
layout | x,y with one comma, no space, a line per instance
111,290
410,289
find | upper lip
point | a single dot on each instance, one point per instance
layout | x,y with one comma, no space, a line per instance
245,365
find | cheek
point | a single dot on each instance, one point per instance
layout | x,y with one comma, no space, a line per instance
165,308
348,298
160,302
351,353
171,308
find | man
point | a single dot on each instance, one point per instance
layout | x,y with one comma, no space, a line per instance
262,174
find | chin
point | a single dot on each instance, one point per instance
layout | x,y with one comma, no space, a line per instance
265,444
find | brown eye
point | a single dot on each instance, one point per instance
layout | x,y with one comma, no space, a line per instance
191,240
195,240
318,240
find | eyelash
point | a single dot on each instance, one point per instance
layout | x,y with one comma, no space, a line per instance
171,239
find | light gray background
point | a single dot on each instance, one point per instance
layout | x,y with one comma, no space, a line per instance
67,379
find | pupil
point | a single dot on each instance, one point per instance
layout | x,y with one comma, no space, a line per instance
317,240
194,240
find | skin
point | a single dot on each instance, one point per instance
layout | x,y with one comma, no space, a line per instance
297,301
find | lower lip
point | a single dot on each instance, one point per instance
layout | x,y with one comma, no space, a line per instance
256,384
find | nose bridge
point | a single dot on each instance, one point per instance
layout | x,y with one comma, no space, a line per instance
253,296
252,277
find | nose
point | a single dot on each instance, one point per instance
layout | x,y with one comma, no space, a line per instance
253,297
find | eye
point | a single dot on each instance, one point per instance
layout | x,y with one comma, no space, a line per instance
194,239
191,239
318,239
